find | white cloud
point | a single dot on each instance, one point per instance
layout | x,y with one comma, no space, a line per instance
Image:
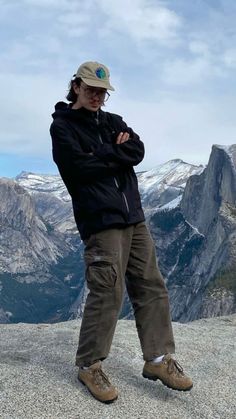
199,48
185,72
32,54
142,20
47,3
74,24
26,109
214,37
229,58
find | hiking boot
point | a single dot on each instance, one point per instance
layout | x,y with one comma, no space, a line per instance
169,372
97,383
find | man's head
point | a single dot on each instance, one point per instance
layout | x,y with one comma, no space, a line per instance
89,87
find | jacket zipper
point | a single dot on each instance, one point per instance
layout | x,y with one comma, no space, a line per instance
126,202
115,180
116,183
123,194
97,122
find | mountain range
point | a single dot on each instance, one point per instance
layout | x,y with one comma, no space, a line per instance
191,213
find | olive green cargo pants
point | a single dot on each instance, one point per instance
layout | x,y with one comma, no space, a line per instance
113,257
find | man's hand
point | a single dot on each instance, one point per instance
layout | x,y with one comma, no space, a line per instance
122,137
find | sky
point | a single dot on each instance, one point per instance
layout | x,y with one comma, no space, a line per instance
172,63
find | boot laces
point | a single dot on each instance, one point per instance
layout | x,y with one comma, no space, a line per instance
174,367
101,379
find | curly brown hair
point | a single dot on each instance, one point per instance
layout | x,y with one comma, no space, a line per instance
72,96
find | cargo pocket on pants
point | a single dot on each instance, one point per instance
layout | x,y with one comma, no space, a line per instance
101,271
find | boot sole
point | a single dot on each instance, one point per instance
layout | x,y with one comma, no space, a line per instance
154,378
102,401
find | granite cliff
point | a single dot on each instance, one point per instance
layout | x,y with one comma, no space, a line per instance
196,241
37,261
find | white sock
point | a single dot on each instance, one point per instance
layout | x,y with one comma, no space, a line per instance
158,359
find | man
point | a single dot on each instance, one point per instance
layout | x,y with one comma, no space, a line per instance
95,152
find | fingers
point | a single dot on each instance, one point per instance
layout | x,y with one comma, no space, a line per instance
119,138
122,137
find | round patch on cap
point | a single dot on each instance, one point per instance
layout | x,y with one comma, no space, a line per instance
100,73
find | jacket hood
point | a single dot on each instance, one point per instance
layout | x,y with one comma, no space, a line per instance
64,110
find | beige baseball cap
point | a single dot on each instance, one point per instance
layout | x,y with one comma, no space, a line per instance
95,74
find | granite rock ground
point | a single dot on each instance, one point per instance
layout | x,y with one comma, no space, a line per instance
38,378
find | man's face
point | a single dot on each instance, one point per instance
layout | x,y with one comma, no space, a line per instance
91,98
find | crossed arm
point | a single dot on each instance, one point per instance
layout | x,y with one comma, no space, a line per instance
105,160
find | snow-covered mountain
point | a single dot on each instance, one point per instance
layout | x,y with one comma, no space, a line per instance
52,200
191,212
163,186
35,183
158,187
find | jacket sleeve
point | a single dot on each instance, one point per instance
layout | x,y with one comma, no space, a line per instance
72,161
129,153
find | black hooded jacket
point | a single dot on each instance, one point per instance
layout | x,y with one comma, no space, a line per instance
97,172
